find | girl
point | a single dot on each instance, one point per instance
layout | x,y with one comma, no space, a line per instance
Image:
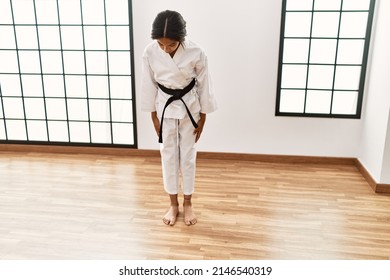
176,91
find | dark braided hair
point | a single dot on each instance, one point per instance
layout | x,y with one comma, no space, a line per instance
169,24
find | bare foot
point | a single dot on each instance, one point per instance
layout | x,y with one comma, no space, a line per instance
189,216
171,215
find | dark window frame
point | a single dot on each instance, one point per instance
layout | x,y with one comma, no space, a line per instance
363,65
109,100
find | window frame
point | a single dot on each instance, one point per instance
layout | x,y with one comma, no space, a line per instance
118,140
363,65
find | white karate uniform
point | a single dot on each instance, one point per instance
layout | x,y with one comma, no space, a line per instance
178,151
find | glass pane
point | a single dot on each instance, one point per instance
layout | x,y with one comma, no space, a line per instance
74,62
16,130
323,51
75,86
35,108
119,63
77,109
350,51
353,25
98,86
79,132
9,62
72,37
37,130
122,111
58,131
26,37
295,50
292,101
69,11
51,62
5,12
95,37
7,36
297,24
93,11
29,62
320,77
10,85
120,87
46,11
294,76
344,102
101,133
49,37
347,77
32,85
117,12
54,85
23,12
299,5
99,110
318,101
56,109
13,108
96,62
123,133
118,38
356,4
325,24
3,136
327,4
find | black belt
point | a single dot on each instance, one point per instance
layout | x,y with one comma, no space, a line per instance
177,94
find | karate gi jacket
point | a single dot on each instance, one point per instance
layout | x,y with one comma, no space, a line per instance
189,62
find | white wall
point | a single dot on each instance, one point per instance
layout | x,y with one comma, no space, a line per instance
241,39
385,174
375,133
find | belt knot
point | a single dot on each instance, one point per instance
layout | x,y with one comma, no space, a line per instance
176,94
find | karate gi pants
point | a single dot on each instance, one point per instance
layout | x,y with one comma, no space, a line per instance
178,155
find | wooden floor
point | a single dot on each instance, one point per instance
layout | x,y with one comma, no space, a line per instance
57,206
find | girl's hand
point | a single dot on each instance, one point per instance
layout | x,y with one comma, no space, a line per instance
198,131
156,123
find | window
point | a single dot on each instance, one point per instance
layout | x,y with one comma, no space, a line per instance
66,72
323,57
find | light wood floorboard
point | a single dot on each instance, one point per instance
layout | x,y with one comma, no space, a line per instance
61,206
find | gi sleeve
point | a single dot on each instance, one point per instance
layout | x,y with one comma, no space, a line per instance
206,97
149,87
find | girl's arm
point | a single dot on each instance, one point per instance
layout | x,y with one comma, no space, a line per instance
201,122
156,122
